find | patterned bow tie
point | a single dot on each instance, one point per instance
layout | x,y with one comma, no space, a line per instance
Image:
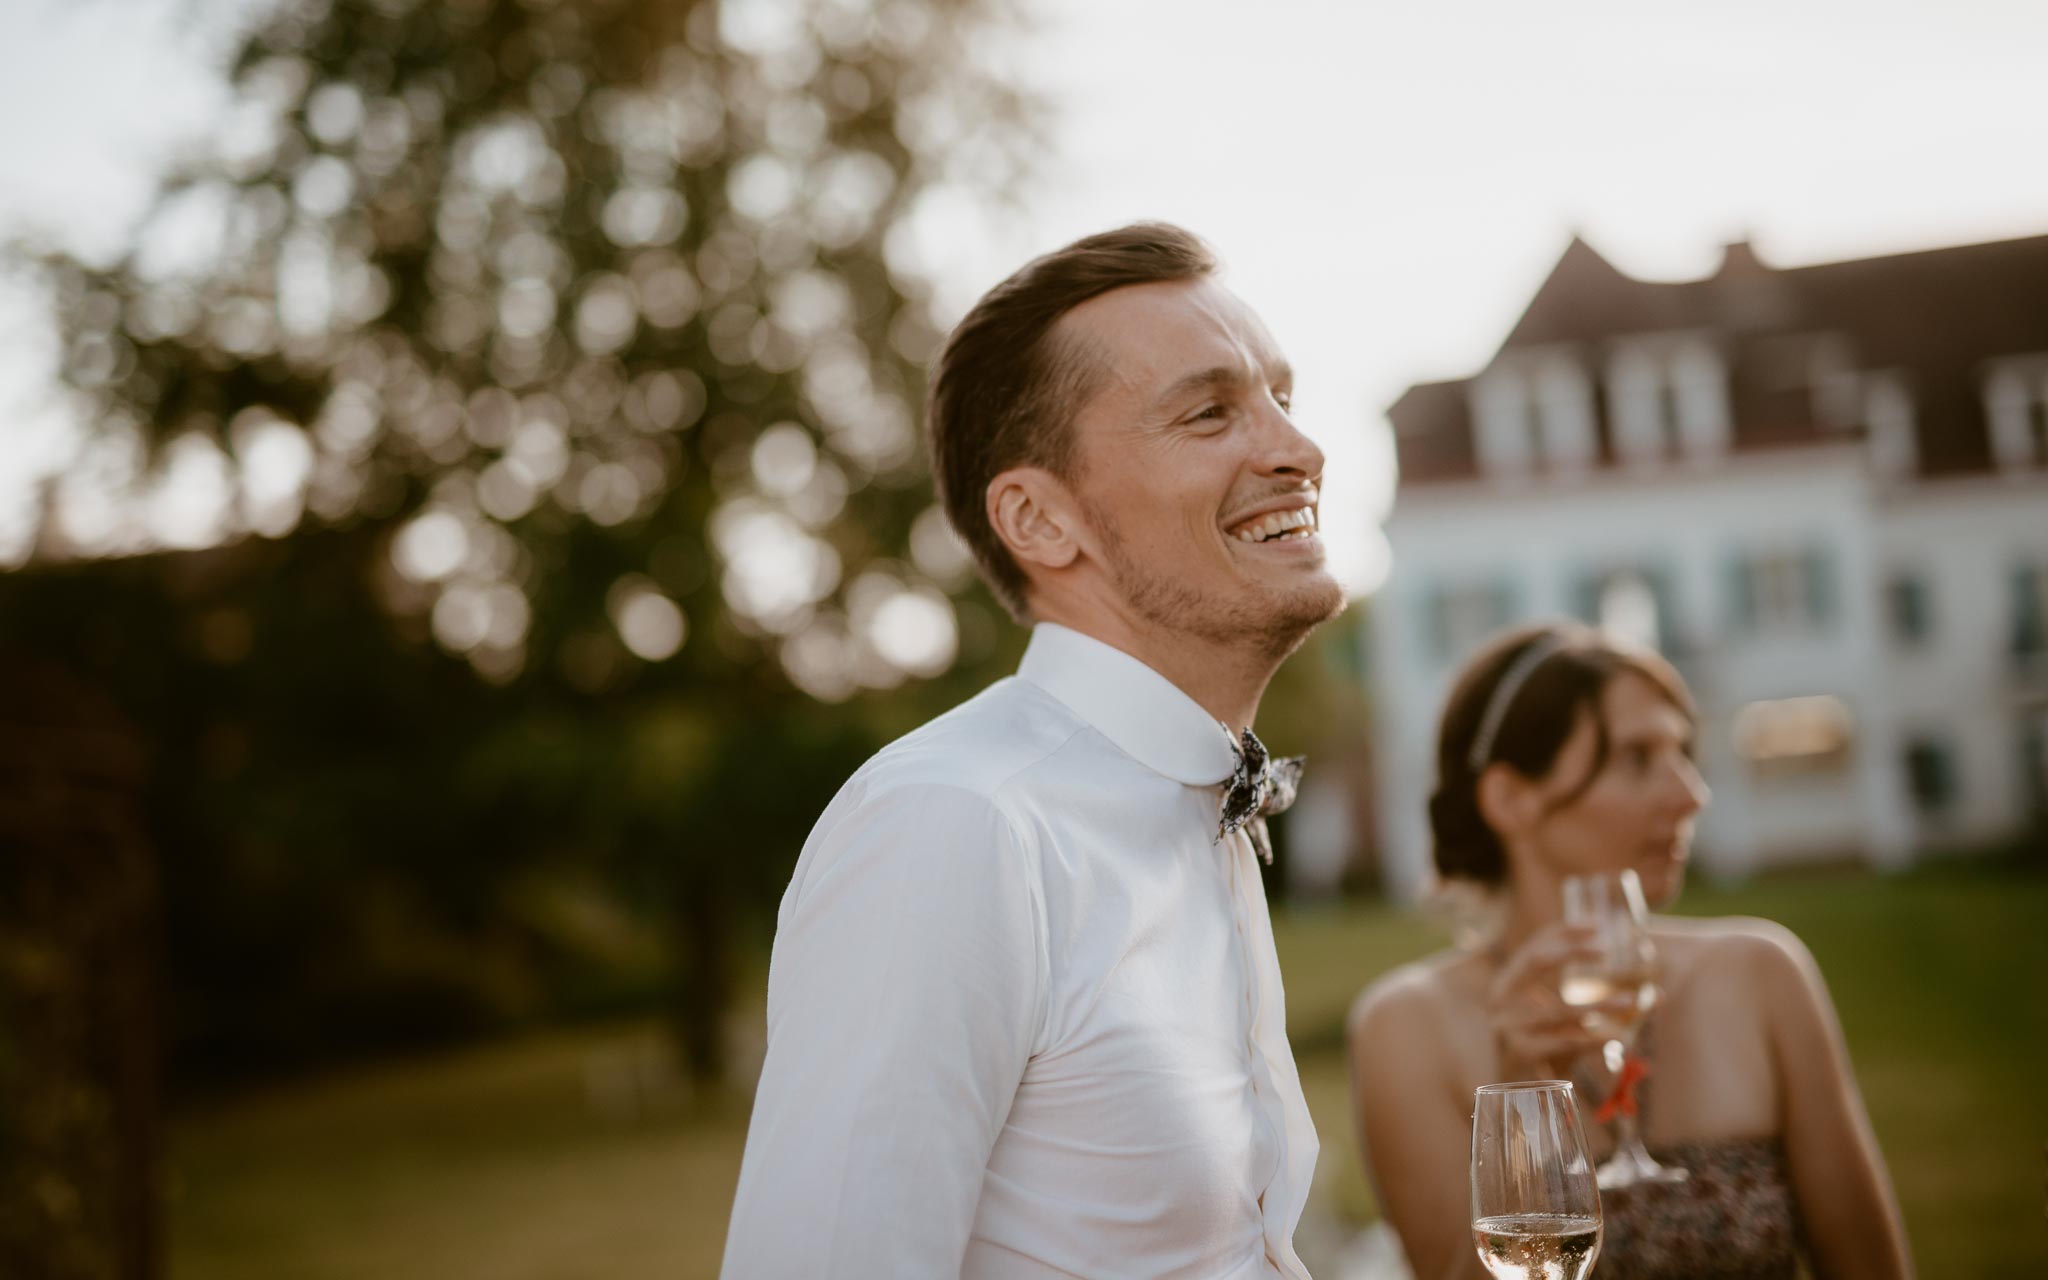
1259,785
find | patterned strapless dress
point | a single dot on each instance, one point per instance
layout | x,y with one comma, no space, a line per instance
1734,1219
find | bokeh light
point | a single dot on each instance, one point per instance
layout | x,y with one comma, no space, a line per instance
650,624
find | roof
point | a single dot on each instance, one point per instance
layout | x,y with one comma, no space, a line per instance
1932,318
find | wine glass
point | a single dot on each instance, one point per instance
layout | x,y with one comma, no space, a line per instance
1535,1205
1617,987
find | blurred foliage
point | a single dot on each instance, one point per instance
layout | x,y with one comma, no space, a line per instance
78,1079
557,364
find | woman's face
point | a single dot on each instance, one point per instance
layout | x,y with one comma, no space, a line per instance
1639,809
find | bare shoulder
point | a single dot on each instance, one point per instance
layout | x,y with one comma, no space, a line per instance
1735,939
1410,1001
1762,959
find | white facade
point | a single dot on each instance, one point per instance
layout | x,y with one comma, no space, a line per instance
1782,580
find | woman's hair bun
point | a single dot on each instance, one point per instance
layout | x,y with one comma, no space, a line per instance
1465,846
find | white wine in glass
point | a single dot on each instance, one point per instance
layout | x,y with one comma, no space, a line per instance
1587,987
1535,1205
1612,905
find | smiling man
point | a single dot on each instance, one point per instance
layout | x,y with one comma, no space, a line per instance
1024,1013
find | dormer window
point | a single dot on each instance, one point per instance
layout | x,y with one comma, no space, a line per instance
1669,398
1534,411
1500,412
1564,414
1636,397
1699,381
2016,406
1888,413
1835,386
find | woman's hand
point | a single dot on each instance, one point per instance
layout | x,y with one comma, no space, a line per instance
1537,1034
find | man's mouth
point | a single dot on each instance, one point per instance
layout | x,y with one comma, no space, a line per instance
1279,526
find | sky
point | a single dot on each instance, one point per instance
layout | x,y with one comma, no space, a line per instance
1387,182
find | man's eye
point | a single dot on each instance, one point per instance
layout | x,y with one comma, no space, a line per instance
1285,399
1210,413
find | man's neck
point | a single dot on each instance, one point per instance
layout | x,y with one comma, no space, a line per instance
1227,681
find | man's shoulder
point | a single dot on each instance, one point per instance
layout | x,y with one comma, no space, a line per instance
942,791
980,746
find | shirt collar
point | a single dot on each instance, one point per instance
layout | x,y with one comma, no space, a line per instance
1142,712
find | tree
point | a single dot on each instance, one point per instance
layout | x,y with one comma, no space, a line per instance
580,343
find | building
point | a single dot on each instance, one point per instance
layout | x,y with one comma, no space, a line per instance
1823,491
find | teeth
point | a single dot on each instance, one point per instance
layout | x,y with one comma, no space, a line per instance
1295,525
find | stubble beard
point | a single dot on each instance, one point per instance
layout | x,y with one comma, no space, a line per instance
1273,624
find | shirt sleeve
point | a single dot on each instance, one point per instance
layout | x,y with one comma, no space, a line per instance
904,997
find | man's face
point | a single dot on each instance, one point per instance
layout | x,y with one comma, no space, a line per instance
1200,492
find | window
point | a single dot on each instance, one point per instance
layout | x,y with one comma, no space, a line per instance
1669,443
1906,606
1631,602
1888,409
2016,406
1534,409
1564,413
1459,616
1794,734
2034,765
1669,398
1831,377
2030,610
1628,609
1783,591
1699,412
1501,412
1638,399
1931,775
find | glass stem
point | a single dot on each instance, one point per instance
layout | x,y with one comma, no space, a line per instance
1628,1140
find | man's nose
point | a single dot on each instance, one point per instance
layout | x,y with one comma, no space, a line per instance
1284,449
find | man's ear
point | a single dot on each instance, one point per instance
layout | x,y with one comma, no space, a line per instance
1508,801
1034,514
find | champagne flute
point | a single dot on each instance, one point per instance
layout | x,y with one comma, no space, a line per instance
1535,1205
1624,970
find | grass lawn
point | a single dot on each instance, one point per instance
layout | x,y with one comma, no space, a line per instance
493,1162
564,1156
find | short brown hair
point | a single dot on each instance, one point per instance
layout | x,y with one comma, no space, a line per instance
1532,729
1004,393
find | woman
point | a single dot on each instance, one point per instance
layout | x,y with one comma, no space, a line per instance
1563,753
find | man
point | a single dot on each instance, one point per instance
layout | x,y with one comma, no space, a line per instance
1024,1014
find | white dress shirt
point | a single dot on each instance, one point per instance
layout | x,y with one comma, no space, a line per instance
1024,1012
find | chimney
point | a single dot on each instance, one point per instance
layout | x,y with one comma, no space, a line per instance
1749,294
1739,261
